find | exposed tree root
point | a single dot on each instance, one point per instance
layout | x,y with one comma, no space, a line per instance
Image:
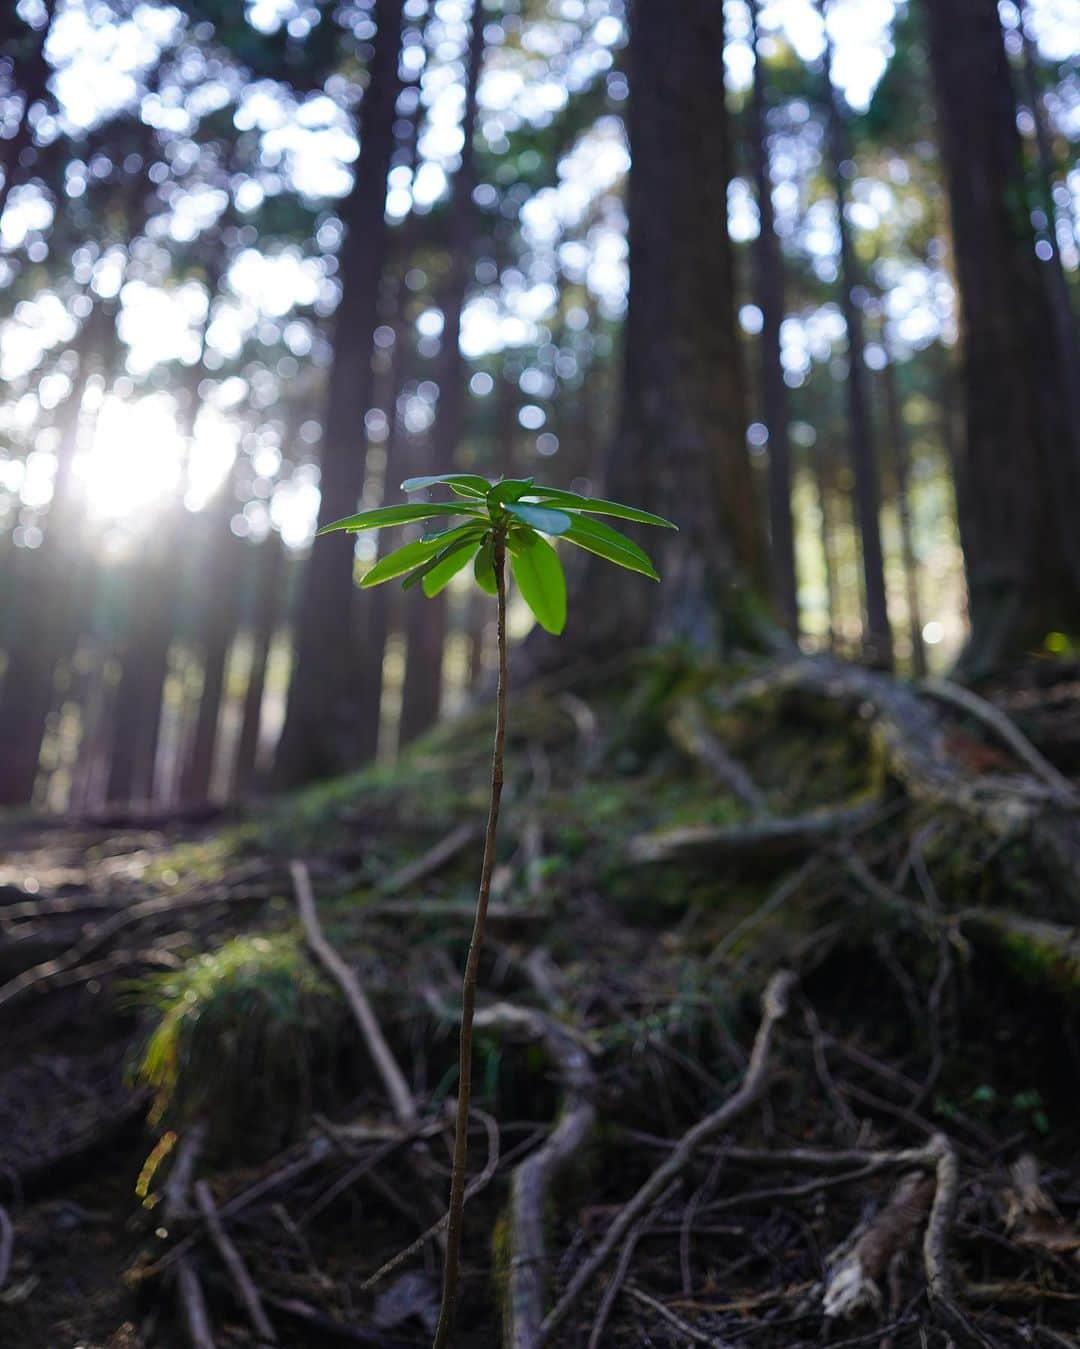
534,1179
775,1002
1005,729
770,838
688,729
723,1243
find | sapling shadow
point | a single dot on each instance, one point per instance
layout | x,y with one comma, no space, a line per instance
508,517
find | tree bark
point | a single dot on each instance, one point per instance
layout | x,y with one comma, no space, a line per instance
680,446
47,603
769,275
878,638
426,620
320,736
268,560
218,623
901,474
1017,470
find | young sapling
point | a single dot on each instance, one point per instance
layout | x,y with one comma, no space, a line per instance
513,516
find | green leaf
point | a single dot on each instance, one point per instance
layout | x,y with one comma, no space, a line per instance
520,537
540,578
393,515
471,483
474,526
598,506
551,522
418,552
484,567
509,489
608,543
401,560
447,565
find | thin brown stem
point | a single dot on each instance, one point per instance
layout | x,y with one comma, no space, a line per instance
468,988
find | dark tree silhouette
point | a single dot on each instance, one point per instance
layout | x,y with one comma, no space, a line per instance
878,638
320,735
681,437
769,278
1017,470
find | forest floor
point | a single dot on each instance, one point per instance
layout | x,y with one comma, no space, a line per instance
778,1040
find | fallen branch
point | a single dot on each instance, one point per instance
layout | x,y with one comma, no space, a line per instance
622,1268
95,935
775,1002
193,1306
178,1184
473,1188
771,838
690,732
788,888
234,1263
855,1283
430,862
393,1079
189,1291
666,1314
940,1285
1005,729
314,1155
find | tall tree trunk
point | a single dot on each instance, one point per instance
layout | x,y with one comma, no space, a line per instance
901,473
1017,471
426,619
140,657
822,478
46,609
864,462
320,736
680,446
267,560
218,624
1053,271
769,274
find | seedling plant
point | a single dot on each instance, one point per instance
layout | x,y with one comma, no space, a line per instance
513,517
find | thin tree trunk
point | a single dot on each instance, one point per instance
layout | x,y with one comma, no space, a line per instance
138,685
901,473
321,735
864,462
426,620
828,539
218,623
268,561
769,271
46,611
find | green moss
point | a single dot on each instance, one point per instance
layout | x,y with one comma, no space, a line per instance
241,1035
1040,954
204,861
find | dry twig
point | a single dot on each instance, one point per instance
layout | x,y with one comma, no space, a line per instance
234,1263
393,1079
